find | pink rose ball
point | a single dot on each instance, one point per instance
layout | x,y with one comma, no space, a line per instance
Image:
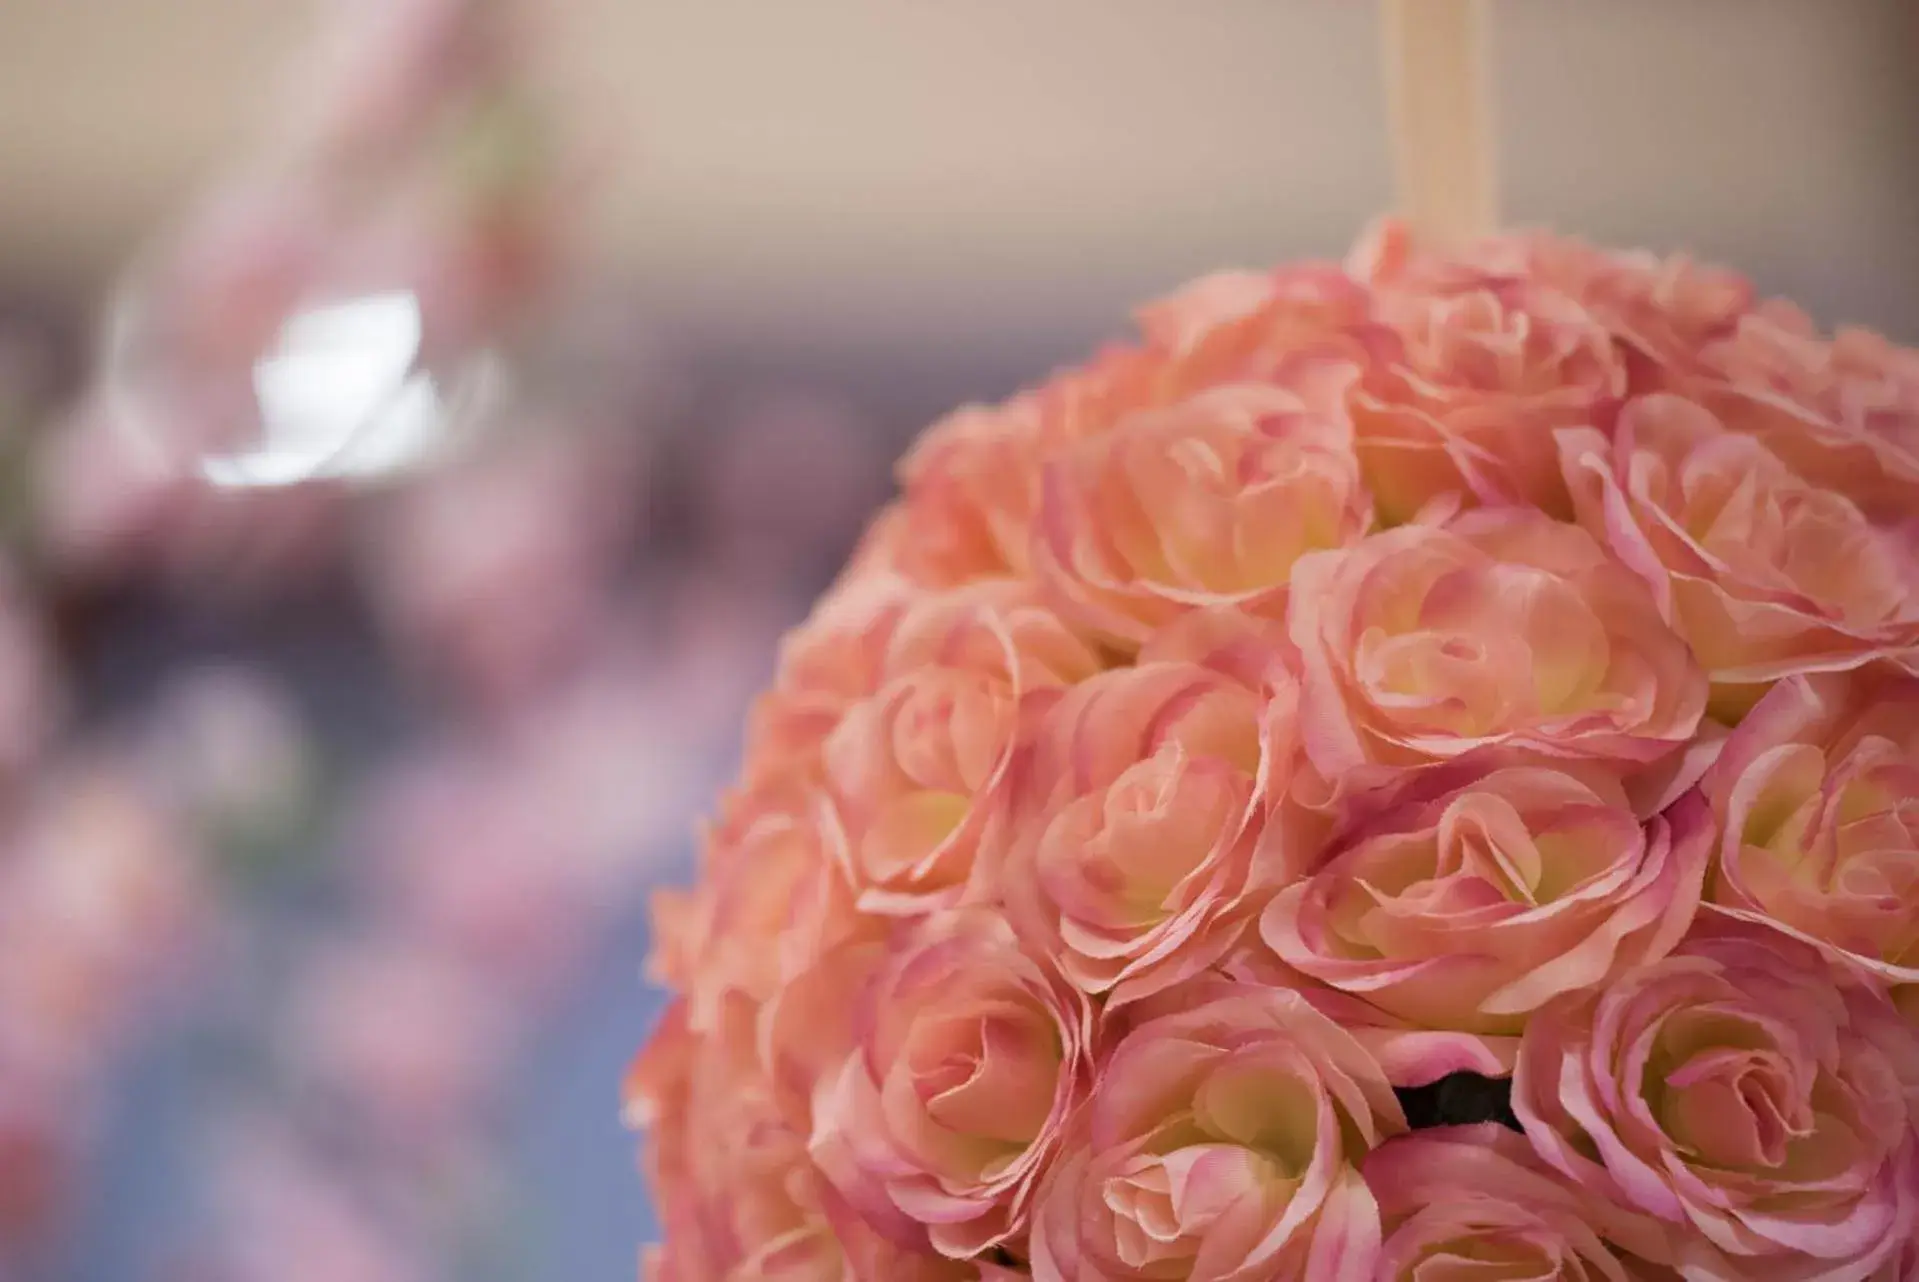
1742,1093
1372,677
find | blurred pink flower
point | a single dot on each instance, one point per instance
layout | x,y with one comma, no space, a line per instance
493,575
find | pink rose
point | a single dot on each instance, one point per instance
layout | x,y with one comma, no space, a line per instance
1231,324
1465,401
1660,311
972,483
913,770
1502,631
969,1059
1146,817
1814,793
1735,1091
773,896
971,489
1409,1055
1208,502
1464,1203
735,1192
1222,1144
1762,573
1224,329
830,662
1843,414
1231,328
1469,910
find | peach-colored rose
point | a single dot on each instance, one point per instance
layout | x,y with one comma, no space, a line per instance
1843,414
1146,816
971,488
1817,796
1742,1092
1660,311
1408,1054
1467,1203
734,1189
1762,573
972,483
1501,632
1231,328
830,662
772,897
1246,327
1469,910
913,770
1222,1144
1207,502
969,1059
1463,403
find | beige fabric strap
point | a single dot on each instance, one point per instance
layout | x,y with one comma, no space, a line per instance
1439,111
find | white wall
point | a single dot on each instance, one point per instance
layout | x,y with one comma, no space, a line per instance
862,163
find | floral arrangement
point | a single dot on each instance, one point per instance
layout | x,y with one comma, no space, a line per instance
1408,770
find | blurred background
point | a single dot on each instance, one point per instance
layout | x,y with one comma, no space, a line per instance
420,418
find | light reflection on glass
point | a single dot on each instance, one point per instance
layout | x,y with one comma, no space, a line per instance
342,396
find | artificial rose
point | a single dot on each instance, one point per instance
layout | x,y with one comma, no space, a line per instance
1742,1092
1660,311
1763,574
731,1181
1409,1055
1472,1203
968,1060
912,769
1222,1144
1207,502
1228,328
1817,796
773,896
830,662
971,487
1233,326
1501,632
1468,910
1147,817
1465,400
1843,414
